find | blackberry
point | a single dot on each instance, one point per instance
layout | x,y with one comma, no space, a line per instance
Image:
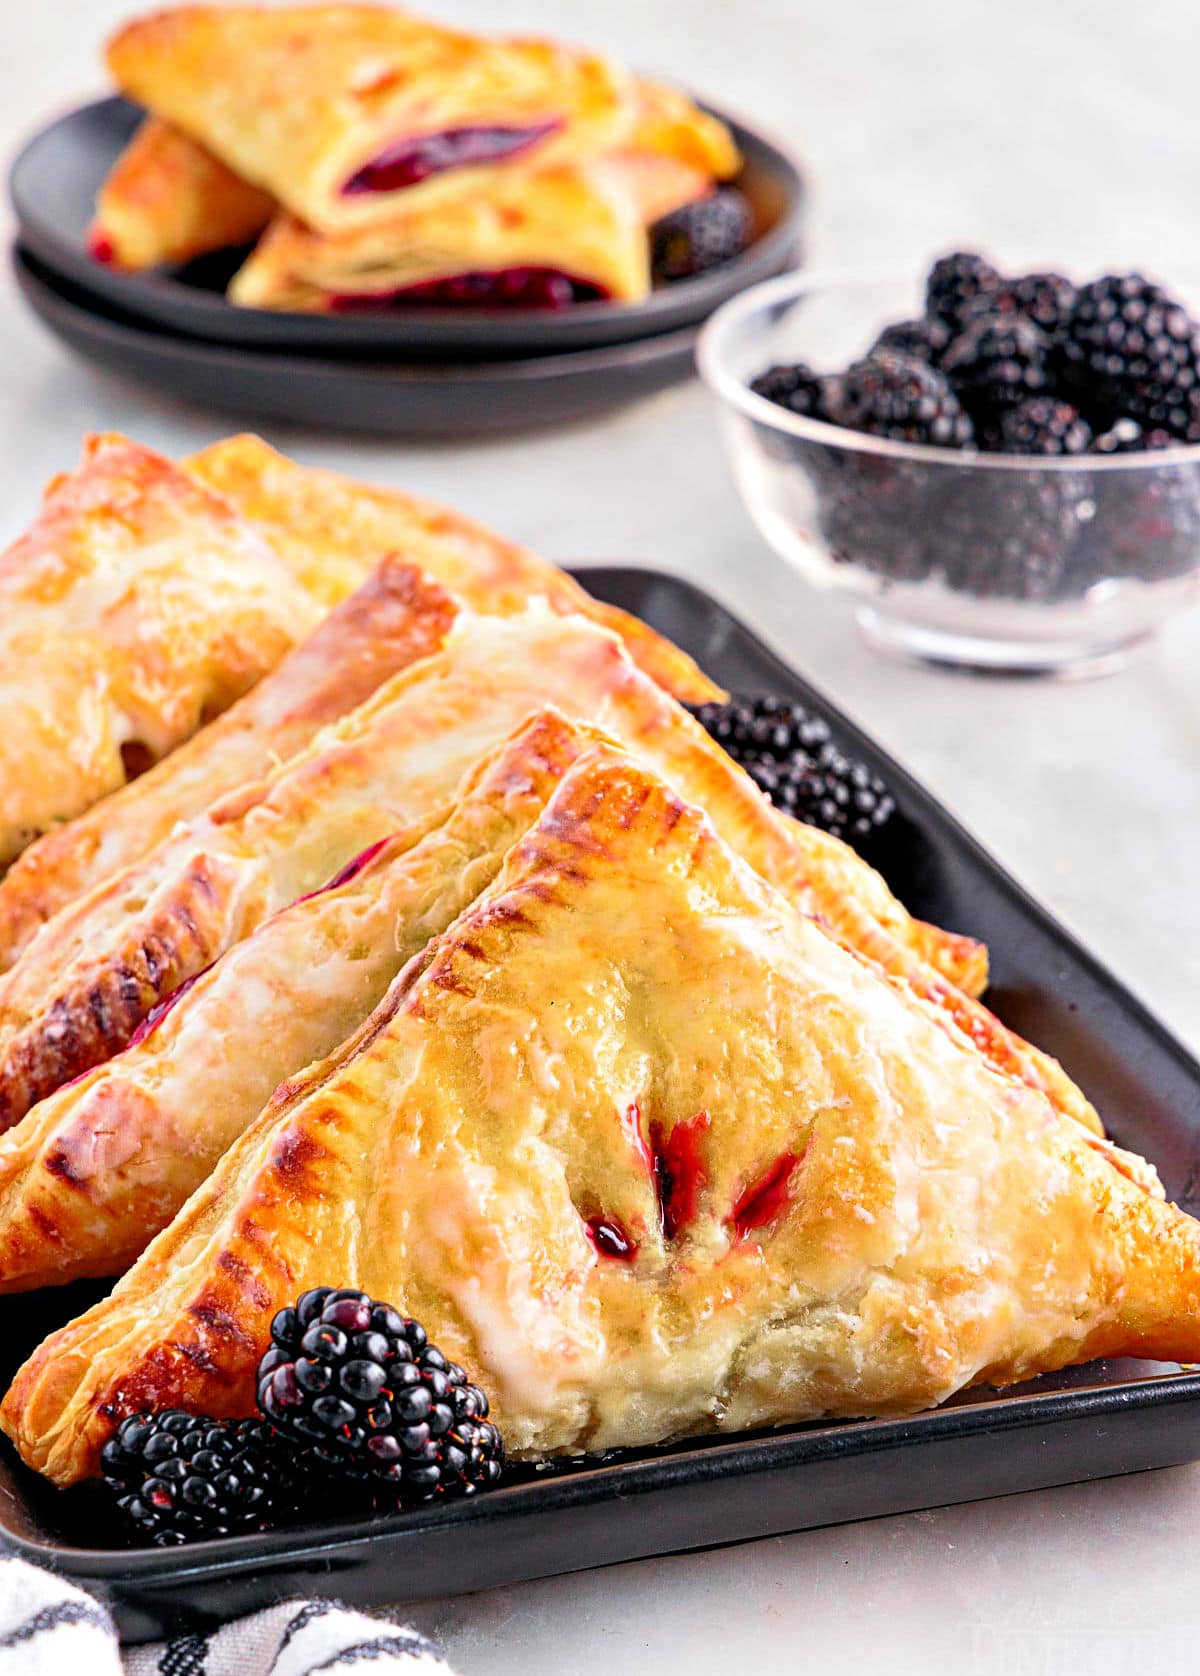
361,1390
1044,425
1131,349
792,757
840,796
796,387
180,1477
899,397
996,362
955,284
924,340
876,514
1013,539
1126,436
700,236
1045,299
1147,523
750,726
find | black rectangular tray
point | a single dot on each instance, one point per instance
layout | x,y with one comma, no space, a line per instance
1091,1422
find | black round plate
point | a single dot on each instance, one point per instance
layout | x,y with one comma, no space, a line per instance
391,399
53,186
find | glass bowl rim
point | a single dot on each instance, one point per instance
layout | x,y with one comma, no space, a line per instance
713,363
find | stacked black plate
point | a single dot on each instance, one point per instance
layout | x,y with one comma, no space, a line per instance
407,372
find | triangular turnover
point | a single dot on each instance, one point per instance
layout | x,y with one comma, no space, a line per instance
649,1153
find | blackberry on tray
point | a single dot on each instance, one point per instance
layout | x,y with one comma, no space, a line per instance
753,726
358,1412
370,1399
792,757
179,1477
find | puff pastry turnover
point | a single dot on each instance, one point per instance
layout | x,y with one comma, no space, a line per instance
668,124
168,200
138,606
325,525
397,616
579,228
342,111
90,976
648,1153
329,532
90,1175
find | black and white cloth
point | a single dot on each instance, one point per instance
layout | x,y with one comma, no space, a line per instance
50,1628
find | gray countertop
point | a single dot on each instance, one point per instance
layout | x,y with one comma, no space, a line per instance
1068,130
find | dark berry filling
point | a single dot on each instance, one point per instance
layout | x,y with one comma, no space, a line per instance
763,1200
100,247
680,1172
160,1009
356,865
521,287
407,162
610,1238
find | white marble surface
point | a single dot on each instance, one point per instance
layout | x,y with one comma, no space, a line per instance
1071,128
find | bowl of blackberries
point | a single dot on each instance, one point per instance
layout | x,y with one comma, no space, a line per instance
1002,466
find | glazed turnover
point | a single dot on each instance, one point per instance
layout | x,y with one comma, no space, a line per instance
138,606
649,1153
208,1058
94,971
394,161
435,948
147,597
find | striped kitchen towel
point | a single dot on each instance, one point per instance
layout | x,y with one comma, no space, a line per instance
50,1628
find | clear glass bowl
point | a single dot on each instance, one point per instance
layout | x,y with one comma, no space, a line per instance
1055,566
